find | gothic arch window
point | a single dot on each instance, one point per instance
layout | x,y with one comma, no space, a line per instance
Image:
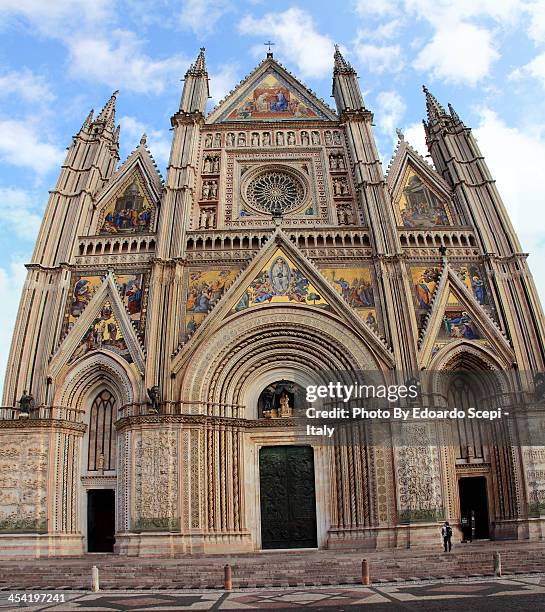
101,448
468,434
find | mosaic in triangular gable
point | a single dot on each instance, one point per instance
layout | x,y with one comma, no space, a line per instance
457,324
355,285
205,290
419,205
280,282
130,211
133,290
271,99
103,334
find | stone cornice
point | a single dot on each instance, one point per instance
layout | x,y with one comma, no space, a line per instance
67,426
206,420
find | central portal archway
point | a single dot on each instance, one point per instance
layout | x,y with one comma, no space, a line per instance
288,497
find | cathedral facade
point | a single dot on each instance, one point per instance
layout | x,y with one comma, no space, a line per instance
168,328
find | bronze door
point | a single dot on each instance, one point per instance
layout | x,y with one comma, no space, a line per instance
288,497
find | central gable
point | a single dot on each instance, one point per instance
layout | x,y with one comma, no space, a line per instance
270,93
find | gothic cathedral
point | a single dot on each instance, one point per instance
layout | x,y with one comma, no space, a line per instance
168,328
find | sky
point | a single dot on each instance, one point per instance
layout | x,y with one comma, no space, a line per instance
60,58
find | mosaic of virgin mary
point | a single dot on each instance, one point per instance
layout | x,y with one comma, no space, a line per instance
271,99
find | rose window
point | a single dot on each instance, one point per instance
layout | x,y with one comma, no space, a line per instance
275,191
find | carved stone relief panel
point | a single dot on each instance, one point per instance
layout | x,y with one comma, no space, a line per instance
23,482
155,481
418,475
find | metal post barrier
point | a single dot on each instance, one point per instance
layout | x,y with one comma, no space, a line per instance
365,572
95,586
497,564
227,578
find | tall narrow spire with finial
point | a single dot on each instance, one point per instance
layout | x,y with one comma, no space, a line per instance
199,67
435,111
341,66
346,89
195,93
107,114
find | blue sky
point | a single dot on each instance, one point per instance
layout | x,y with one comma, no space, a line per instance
60,58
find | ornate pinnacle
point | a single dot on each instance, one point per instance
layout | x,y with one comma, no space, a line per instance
341,65
107,114
143,139
453,113
199,67
434,109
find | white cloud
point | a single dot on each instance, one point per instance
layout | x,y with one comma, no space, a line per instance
119,61
458,52
158,141
295,32
534,69
376,7
20,145
53,16
379,59
201,16
223,81
389,111
12,279
18,212
416,137
536,13
26,85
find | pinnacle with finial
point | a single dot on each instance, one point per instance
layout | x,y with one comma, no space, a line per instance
199,67
108,112
434,109
341,65
143,139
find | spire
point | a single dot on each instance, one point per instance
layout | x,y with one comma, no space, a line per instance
199,67
107,114
87,123
346,89
453,113
195,93
341,66
434,109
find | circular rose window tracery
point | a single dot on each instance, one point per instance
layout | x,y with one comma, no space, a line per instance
275,190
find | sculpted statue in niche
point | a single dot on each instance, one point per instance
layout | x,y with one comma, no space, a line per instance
208,141
206,190
328,139
315,138
266,139
26,403
336,137
241,139
255,139
280,399
230,140
207,166
216,164
291,138
280,139
304,138
207,218
154,396
217,140
285,408
213,190
340,187
344,215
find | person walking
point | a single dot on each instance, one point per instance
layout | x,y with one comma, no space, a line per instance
446,532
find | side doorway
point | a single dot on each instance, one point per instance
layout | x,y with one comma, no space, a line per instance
474,508
100,520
